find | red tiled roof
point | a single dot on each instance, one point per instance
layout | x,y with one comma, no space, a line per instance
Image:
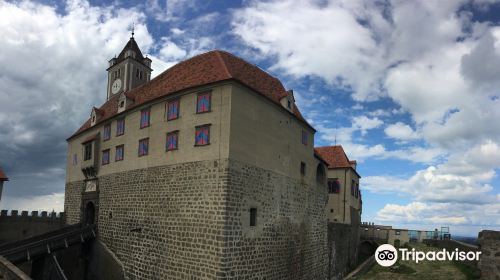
203,69
3,177
334,156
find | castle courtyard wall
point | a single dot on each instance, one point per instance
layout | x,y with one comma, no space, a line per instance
191,221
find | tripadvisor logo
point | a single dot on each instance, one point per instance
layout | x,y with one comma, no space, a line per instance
387,255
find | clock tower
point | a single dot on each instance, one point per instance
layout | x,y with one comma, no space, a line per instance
129,70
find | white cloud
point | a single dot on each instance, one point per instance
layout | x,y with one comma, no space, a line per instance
401,131
54,73
430,58
463,220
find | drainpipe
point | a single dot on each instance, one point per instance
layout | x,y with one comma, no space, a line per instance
345,190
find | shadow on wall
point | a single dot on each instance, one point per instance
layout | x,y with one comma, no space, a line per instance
343,241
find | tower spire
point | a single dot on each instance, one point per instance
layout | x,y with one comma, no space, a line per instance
133,27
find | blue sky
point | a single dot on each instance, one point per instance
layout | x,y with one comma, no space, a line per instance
409,88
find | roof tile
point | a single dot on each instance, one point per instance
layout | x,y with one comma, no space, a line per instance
334,156
203,69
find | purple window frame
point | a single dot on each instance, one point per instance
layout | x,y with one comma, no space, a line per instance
173,110
143,147
202,135
203,102
304,137
145,118
106,134
120,127
105,156
120,153
172,142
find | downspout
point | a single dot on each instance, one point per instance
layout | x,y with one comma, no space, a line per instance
345,190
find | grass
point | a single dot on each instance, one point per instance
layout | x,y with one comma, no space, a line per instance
422,270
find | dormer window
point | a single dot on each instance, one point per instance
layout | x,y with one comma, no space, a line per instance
289,104
122,103
94,116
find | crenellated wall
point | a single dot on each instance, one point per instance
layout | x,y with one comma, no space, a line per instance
17,225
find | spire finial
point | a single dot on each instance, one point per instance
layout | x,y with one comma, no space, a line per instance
133,27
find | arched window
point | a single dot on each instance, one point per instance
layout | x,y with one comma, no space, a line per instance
320,174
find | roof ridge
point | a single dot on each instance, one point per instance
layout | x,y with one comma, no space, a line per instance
218,53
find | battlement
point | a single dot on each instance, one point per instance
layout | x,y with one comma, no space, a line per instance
32,215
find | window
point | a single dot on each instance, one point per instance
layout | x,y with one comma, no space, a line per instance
137,73
253,217
289,104
331,210
145,116
203,103
75,159
302,168
105,157
120,127
107,132
143,147
87,151
352,187
172,140
202,135
333,186
304,137
173,110
398,232
120,152
356,191
140,75
122,103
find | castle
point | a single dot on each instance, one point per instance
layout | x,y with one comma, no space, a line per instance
207,171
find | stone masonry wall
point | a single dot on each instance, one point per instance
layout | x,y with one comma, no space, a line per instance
343,241
191,221
489,264
290,237
73,201
165,222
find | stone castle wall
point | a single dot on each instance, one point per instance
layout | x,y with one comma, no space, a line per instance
290,238
191,221
23,224
489,264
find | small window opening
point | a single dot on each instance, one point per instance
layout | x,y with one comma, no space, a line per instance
302,168
253,217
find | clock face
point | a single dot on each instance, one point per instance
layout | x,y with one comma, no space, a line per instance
117,85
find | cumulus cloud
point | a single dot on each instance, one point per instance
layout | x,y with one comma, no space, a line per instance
401,131
54,73
431,58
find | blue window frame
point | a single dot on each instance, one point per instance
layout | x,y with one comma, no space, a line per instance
143,147
172,140
173,110
203,102
145,117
